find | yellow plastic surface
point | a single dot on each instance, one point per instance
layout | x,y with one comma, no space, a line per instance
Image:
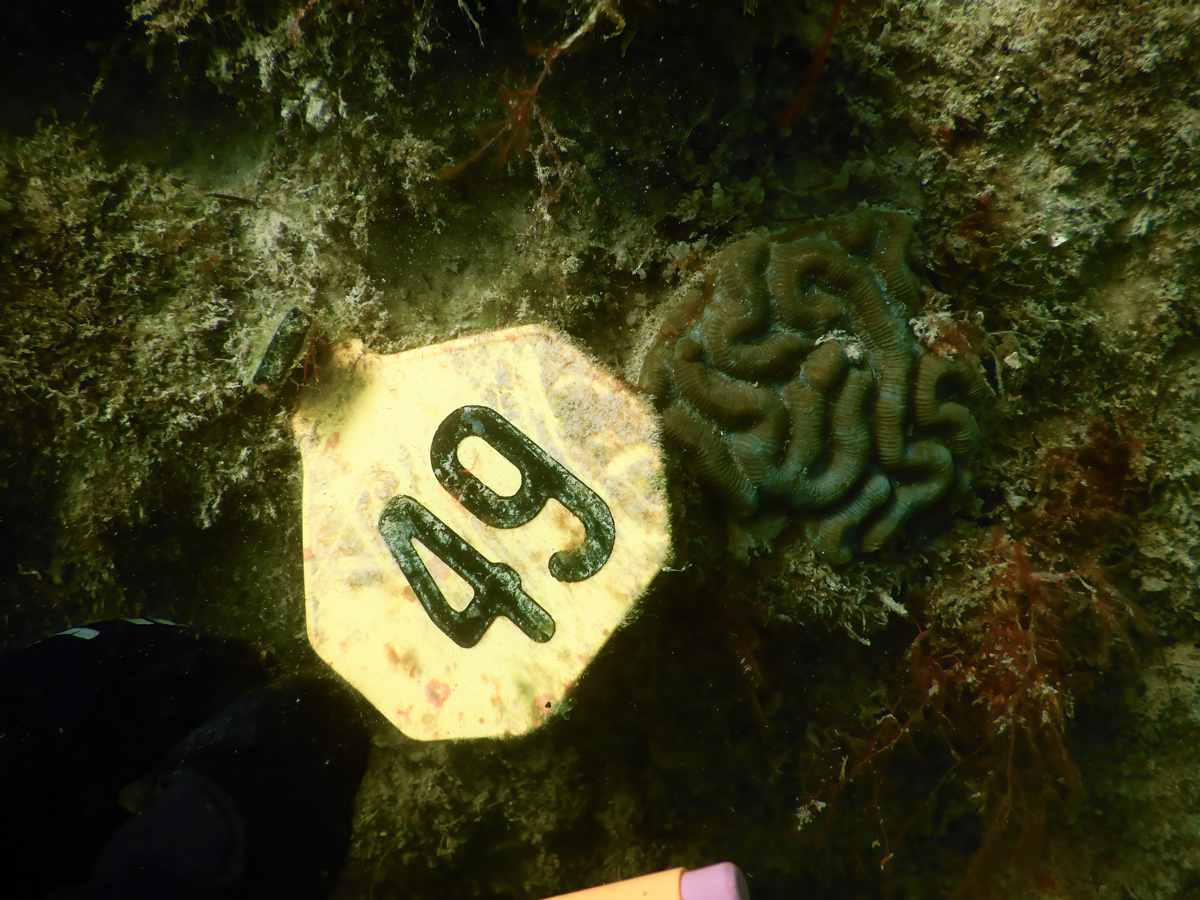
659,886
365,431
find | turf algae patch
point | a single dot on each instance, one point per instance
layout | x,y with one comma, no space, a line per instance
1047,153
797,384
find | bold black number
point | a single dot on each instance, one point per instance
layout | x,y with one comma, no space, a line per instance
497,587
541,478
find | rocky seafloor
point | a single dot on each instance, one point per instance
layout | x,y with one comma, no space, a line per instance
999,701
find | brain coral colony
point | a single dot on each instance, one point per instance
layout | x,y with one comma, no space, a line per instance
794,383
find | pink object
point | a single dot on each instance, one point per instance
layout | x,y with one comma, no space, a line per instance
722,881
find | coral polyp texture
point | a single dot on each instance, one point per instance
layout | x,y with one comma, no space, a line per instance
793,382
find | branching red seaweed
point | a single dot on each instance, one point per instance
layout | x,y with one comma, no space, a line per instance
997,688
512,133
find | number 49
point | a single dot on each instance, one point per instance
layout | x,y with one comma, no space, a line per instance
497,587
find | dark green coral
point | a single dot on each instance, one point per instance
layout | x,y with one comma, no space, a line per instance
796,383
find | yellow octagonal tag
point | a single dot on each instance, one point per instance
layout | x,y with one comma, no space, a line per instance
479,516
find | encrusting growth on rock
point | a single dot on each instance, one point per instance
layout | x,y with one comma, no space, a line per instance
795,383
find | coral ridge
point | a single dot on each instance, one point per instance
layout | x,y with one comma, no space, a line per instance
797,383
